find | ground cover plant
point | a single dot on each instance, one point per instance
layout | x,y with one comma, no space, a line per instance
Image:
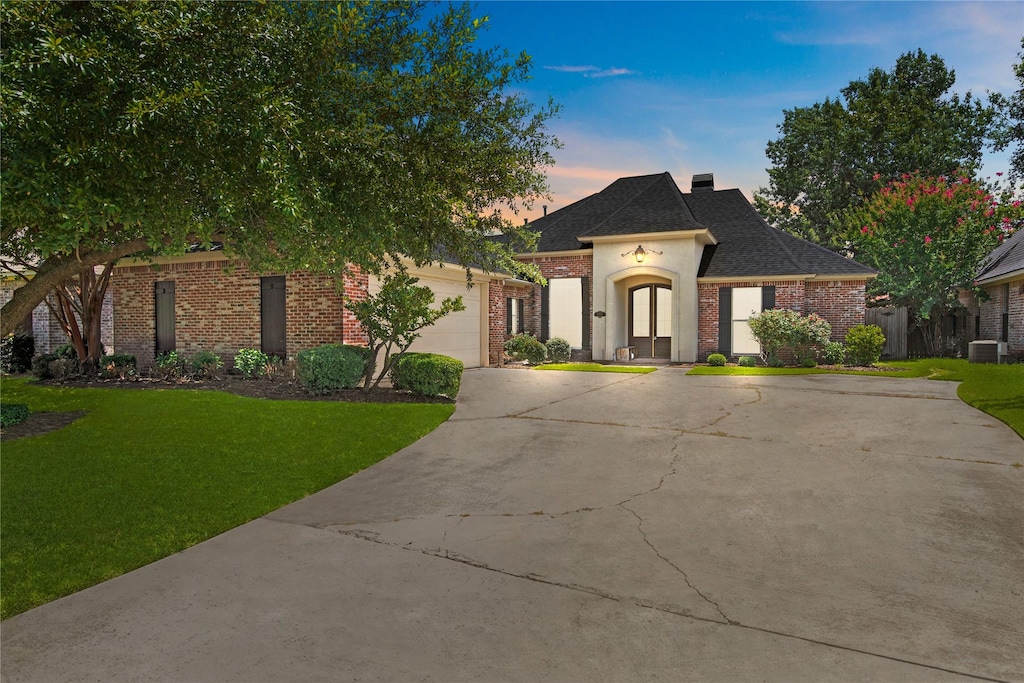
994,389
596,367
140,476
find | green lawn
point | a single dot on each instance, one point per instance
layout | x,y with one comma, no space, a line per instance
148,473
995,389
596,367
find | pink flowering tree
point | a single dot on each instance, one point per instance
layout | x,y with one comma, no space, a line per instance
927,237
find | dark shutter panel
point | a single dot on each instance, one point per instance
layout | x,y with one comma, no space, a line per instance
725,321
164,295
767,298
545,311
585,288
272,316
508,315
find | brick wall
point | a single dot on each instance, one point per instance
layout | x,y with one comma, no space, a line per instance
357,284
46,330
991,311
841,303
220,311
570,266
495,323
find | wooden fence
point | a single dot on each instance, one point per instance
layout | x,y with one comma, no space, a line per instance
893,321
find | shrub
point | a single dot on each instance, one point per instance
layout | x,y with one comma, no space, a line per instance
864,344
780,329
41,365
716,359
748,361
12,414
558,349
206,364
16,351
808,363
65,351
119,365
169,365
252,363
428,374
329,368
833,353
516,345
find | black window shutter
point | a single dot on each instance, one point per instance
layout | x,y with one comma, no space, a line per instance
508,315
767,298
164,297
725,320
545,312
273,316
585,288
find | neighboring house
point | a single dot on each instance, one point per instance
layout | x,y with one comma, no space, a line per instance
999,315
641,268
637,266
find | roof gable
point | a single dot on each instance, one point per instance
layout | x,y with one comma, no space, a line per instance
1006,259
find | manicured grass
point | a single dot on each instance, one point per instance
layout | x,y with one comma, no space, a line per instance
596,367
149,473
995,389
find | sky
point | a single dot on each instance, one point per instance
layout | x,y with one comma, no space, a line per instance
700,87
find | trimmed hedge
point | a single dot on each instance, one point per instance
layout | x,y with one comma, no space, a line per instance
717,360
559,350
331,367
747,362
12,414
428,374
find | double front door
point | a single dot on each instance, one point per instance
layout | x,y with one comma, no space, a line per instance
650,320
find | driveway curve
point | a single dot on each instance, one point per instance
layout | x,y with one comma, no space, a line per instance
603,527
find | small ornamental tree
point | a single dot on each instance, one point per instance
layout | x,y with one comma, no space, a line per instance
928,237
393,317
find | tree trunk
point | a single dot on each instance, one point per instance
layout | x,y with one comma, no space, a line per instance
51,273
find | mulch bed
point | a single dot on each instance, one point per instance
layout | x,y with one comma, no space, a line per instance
277,388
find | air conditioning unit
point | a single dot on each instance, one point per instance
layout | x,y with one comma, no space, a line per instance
987,351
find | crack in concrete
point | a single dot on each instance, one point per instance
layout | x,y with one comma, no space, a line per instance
373,537
628,377
686,578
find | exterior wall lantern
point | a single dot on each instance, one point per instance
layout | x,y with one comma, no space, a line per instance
640,253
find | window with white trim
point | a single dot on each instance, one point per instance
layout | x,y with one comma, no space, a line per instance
746,303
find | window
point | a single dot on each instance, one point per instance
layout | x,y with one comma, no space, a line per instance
514,316
1004,323
565,299
746,303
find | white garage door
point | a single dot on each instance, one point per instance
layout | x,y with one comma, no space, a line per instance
457,334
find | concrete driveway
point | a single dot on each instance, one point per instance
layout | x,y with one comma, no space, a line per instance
600,527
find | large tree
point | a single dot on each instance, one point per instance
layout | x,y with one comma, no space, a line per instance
299,134
890,123
1011,130
928,237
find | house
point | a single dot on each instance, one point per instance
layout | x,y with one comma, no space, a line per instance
642,270
1000,314
639,268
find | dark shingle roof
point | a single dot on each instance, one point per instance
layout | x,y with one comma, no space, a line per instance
650,203
1006,259
747,245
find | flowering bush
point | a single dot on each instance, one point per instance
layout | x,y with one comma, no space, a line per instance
559,350
782,330
928,237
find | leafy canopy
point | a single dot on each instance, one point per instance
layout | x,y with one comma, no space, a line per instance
299,134
928,237
892,122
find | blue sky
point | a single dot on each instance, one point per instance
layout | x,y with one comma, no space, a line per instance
695,87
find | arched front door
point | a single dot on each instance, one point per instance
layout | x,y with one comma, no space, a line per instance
650,320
